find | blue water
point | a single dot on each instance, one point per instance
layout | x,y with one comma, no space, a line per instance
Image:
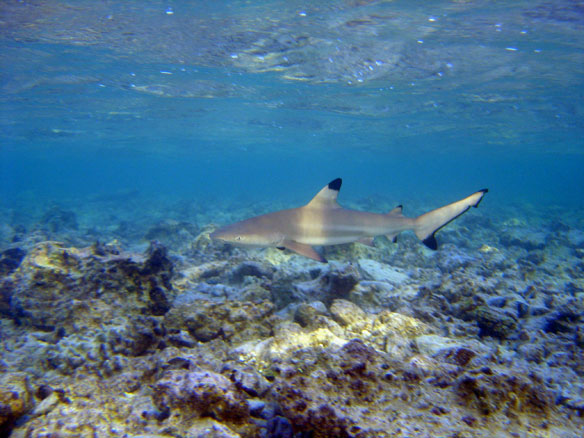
271,100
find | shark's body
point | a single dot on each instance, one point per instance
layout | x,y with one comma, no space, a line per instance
324,222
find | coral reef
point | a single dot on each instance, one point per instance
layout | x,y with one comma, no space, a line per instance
390,341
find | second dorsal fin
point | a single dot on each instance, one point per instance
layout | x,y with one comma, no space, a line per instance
397,211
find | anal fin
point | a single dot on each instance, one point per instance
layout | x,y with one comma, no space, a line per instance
367,241
305,250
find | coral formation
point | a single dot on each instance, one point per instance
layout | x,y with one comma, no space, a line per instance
159,344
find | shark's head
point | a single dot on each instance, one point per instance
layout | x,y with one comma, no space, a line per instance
246,233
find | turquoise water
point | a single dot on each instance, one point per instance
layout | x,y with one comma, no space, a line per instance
271,100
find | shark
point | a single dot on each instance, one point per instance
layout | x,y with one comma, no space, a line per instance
324,222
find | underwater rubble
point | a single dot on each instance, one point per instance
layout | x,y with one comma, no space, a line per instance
481,338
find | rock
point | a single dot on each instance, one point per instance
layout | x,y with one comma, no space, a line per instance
494,322
448,350
398,325
200,393
6,291
524,238
193,275
250,269
536,257
10,260
233,321
97,305
182,339
104,352
256,406
532,352
16,399
255,293
246,378
66,287
279,427
346,313
564,320
576,238
454,259
210,428
174,234
48,404
288,337
488,393
376,271
333,281
522,307
497,301
306,313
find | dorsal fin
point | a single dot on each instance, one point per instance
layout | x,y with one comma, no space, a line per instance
397,211
327,197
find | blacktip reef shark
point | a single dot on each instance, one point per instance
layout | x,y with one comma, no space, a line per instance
324,222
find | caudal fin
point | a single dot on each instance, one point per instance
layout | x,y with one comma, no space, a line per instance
426,225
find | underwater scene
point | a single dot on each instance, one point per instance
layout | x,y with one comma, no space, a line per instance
291,219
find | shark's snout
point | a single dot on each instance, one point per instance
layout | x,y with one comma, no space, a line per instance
216,235
226,234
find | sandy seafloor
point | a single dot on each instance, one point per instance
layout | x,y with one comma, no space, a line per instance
114,325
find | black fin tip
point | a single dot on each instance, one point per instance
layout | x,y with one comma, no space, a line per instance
484,191
430,242
335,184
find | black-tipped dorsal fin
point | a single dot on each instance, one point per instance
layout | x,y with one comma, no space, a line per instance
397,211
327,197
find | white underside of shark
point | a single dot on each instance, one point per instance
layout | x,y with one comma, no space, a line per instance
324,222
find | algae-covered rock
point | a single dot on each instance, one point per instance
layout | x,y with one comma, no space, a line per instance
333,281
455,351
523,237
494,322
246,378
210,428
204,392
346,313
173,234
509,392
359,391
250,269
97,304
10,259
232,320
374,270
308,313
197,394
57,286
385,331
16,399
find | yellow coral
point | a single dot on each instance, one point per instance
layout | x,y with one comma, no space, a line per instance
488,249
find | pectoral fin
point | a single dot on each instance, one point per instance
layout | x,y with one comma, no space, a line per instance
392,237
305,250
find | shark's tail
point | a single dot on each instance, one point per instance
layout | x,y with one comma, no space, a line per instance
426,225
